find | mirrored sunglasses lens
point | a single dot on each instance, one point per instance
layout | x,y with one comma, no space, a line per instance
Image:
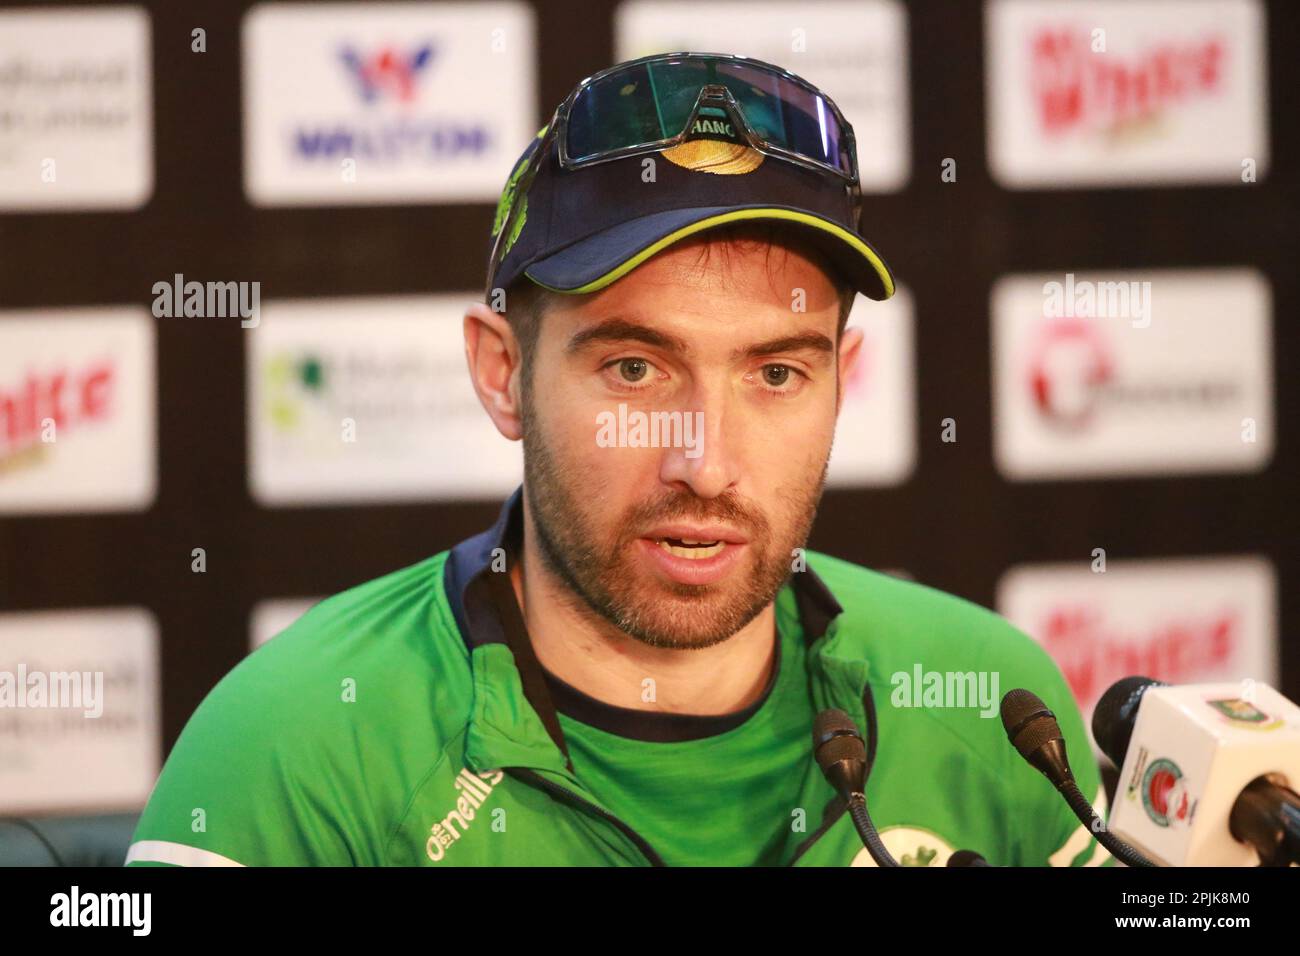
652,101
788,114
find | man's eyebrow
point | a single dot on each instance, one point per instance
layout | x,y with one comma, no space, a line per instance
788,343
625,330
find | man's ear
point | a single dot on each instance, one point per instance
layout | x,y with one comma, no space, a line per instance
849,356
494,367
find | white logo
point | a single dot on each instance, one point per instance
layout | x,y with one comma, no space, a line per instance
102,909
910,846
474,790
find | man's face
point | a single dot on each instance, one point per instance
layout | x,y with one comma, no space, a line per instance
682,546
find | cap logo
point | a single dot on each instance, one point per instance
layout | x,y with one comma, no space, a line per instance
518,225
507,198
715,156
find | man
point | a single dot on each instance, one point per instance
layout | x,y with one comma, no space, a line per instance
626,669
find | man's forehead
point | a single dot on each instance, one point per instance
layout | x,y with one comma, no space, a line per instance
732,266
677,302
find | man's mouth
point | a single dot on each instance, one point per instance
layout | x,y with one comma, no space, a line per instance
699,554
690,548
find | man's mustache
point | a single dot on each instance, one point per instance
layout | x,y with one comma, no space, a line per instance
686,507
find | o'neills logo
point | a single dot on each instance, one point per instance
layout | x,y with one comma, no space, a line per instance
474,790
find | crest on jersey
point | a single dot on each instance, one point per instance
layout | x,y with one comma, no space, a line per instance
910,846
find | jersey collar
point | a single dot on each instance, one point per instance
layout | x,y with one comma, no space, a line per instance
477,587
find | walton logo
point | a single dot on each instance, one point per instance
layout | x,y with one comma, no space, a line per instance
474,790
398,126
387,72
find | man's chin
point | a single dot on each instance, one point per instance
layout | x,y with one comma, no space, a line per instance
665,613
680,635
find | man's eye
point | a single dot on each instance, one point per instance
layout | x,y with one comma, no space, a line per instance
633,369
776,375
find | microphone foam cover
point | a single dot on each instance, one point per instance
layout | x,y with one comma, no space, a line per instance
831,721
1028,721
836,737
841,747
1036,733
1017,706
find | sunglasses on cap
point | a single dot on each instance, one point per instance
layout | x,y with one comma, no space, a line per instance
660,101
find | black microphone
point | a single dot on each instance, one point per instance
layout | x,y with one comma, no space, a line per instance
842,755
966,858
1115,715
1033,731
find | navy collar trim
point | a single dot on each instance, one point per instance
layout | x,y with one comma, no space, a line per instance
470,562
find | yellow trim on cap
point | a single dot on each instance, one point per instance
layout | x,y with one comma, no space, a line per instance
618,272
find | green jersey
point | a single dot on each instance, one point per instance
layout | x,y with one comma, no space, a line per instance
407,722
742,772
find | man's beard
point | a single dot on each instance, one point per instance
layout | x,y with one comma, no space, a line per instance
614,582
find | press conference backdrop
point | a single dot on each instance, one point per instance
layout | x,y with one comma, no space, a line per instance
1076,410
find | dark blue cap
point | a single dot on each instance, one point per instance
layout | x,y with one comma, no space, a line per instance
580,230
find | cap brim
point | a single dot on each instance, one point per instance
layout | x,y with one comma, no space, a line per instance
591,264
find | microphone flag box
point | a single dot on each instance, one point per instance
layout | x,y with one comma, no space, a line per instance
1194,749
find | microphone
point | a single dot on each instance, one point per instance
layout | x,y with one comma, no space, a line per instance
1208,771
966,858
1034,732
1115,714
842,756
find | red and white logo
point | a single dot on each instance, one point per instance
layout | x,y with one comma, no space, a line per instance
1173,376
1069,364
1126,92
1180,621
76,410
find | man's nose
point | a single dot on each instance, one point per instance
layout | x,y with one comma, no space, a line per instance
706,461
